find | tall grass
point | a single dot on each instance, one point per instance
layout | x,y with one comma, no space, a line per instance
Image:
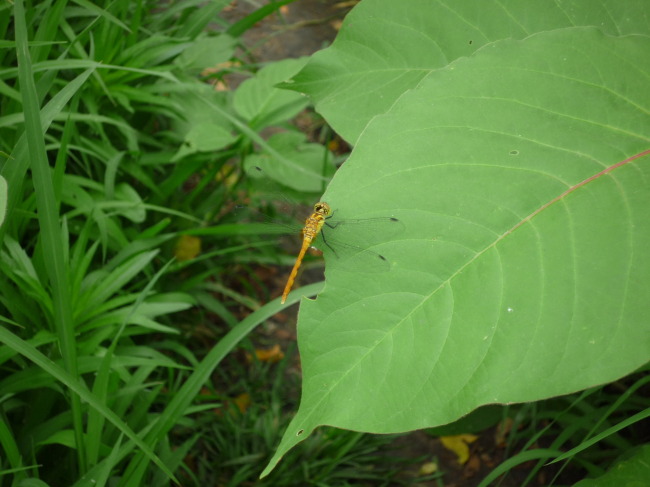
102,109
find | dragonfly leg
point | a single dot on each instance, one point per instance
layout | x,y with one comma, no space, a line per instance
331,225
322,236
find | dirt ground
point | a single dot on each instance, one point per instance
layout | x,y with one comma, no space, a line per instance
300,29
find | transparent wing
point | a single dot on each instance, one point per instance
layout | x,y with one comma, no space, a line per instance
347,240
350,240
363,232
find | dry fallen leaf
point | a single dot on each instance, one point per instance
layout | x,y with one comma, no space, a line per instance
272,355
220,86
459,445
428,468
227,65
242,401
336,24
187,247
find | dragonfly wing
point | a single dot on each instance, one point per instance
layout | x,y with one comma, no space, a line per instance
349,242
356,259
366,231
360,233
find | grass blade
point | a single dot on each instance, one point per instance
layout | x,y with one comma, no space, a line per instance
183,398
640,416
80,389
48,218
249,21
15,172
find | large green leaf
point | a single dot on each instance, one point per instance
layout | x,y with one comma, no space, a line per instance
387,47
261,104
522,176
207,52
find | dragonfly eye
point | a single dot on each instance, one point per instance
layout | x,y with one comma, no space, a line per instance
322,209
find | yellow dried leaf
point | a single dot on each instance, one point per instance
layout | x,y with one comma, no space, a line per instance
227,65
336,24
333,145
220,86
242,401
428,468
272,355
459,445
187,247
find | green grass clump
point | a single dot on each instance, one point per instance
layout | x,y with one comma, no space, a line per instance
115,142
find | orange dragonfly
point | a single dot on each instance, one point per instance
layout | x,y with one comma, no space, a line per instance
345,238
313,225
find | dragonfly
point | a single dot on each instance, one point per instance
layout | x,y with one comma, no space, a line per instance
313,224
345,238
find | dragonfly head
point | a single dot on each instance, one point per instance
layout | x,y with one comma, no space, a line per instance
322,209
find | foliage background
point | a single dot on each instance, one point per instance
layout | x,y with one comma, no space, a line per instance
122,164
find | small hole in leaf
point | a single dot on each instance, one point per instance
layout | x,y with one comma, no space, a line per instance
300,432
